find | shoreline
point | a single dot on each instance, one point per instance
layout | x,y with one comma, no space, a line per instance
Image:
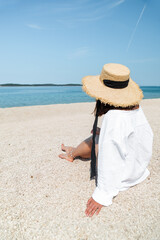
65,104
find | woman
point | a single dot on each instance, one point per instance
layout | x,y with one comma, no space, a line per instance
123,146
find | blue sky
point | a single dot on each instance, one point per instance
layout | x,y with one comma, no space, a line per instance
61,41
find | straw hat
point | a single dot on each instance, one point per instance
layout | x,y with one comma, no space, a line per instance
113,86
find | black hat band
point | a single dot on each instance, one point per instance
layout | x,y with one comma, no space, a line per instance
115,84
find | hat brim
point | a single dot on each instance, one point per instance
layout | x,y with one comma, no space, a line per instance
124,97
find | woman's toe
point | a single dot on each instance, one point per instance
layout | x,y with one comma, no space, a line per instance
66,149
65,156
63,147
62,156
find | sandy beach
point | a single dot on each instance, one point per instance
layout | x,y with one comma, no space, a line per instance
43,197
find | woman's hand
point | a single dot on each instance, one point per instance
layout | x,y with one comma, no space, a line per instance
92,207
97,131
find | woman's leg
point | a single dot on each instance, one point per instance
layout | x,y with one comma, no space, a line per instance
83,150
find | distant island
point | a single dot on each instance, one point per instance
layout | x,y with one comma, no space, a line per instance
38,85
50,84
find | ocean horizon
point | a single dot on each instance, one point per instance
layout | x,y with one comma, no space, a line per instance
46,95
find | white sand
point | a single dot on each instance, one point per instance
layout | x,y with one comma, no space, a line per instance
44,197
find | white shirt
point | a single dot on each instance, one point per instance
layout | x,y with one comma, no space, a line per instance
124,152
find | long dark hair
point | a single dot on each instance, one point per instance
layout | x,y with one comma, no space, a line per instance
104,108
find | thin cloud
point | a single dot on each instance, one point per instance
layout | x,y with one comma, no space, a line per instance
134,30
76,11
90,19
34,26
116,4
71,22
100,11
94,12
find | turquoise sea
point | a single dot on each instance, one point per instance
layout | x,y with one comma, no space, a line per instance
29,96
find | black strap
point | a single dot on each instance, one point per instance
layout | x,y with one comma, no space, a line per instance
115,84
93,173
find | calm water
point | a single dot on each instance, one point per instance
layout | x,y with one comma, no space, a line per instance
29,96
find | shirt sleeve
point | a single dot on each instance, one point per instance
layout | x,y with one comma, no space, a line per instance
111,156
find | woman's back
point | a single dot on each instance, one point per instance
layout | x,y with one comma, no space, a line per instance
125,149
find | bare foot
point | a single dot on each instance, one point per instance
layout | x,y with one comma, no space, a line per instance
69,153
